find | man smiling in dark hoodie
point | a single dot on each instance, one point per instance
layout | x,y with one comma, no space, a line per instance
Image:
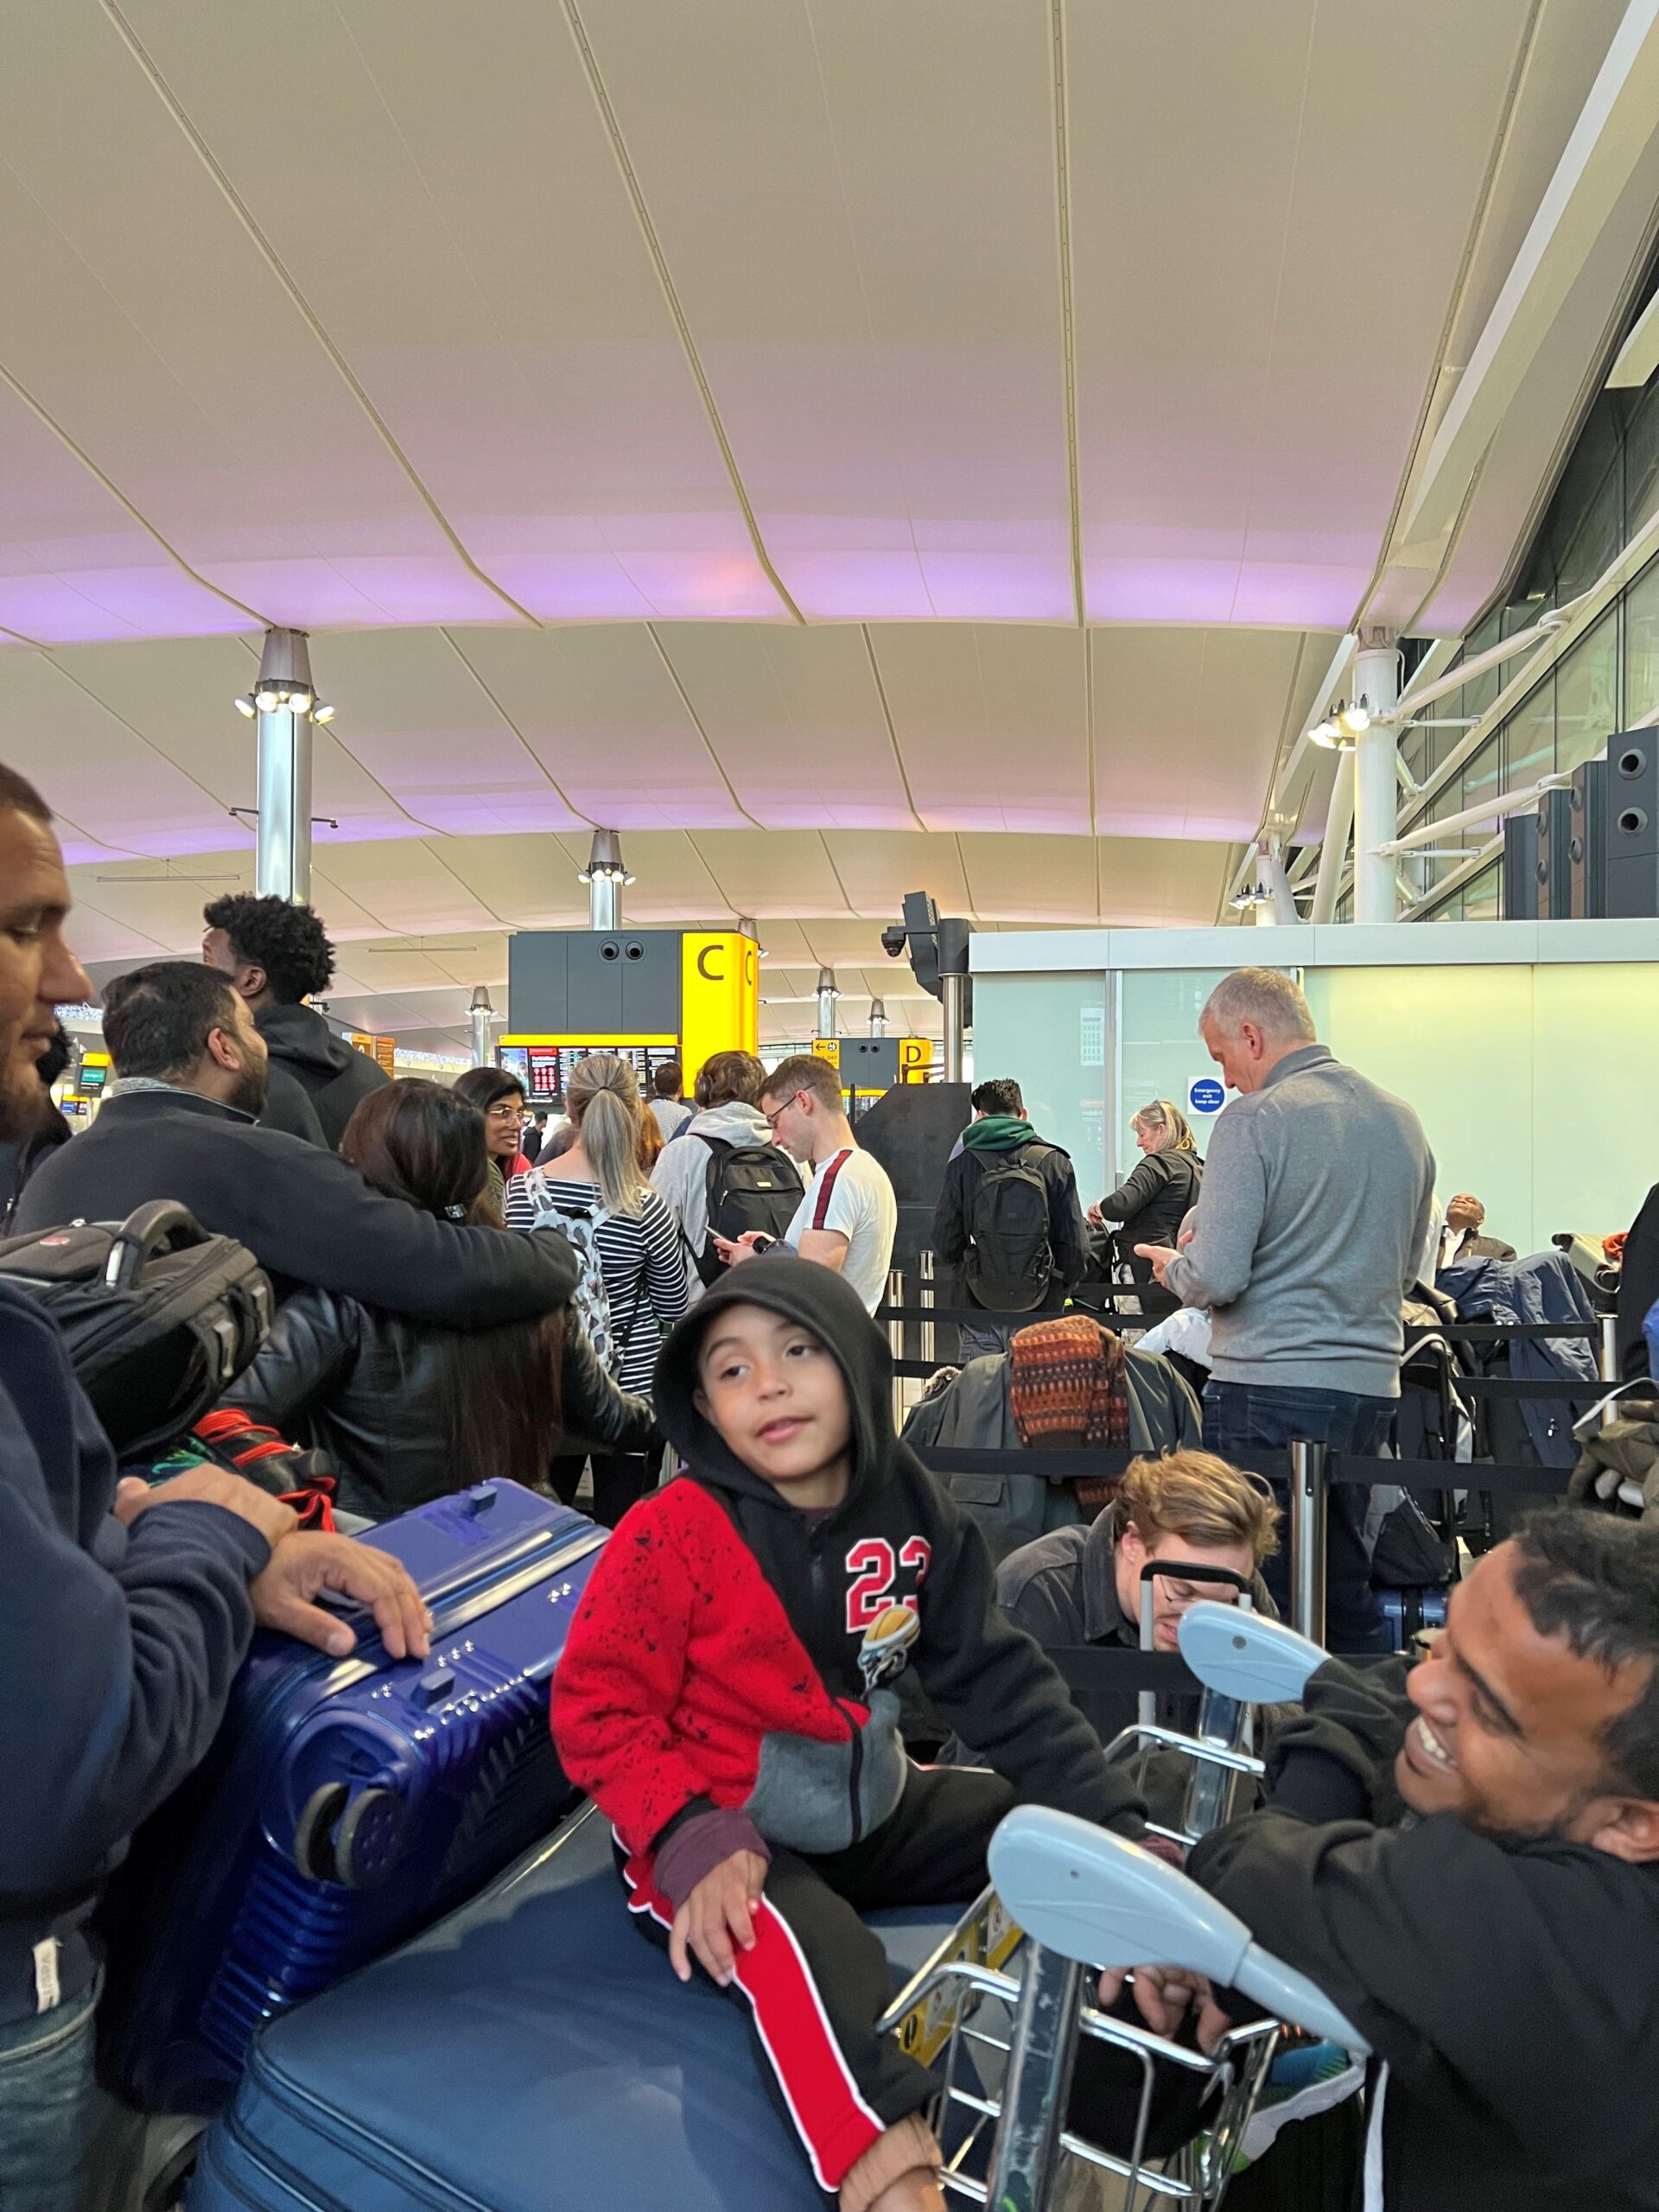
725,1698
1464,1856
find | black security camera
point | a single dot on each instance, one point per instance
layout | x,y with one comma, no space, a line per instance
894,941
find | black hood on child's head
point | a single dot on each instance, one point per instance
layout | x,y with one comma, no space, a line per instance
816,1297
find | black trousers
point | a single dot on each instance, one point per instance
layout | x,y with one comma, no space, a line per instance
817,1979
619,1478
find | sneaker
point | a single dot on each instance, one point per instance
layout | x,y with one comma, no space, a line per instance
1305,2078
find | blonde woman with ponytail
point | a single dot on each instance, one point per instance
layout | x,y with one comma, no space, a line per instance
598,1193
1150,1205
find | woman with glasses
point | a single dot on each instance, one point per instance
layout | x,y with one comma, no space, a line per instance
500,1098
598,1193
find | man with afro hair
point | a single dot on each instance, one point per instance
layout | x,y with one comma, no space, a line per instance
277,954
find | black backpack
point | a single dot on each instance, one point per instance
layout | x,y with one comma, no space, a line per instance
749,1186
159,1317
1010,1266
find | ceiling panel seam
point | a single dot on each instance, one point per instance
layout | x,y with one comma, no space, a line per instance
697,723
967,883
149,743
671,293
529,751
114,492
886,717
1417,449
301,306
1068,355
722,894
836,872
1278,293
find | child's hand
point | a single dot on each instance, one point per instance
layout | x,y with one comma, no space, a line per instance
716,1910
729,1253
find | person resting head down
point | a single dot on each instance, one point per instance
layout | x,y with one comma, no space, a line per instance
726,1696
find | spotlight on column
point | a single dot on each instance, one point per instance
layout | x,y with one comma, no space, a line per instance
1327,733
1356,719
284,685
605,876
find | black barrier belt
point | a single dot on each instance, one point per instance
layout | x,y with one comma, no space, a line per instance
975,1317
1502,1332
1415,1475
1575,1387
1457,1332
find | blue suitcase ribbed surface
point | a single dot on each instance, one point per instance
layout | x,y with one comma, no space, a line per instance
348,1802
533,2054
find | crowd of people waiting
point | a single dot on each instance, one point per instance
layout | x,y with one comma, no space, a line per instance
1462,1853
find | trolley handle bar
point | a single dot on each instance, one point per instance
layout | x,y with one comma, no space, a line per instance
1095,1897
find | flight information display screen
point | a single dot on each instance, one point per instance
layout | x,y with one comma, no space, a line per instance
544,1069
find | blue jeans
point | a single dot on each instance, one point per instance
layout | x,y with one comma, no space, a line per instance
49,2108
1250,1419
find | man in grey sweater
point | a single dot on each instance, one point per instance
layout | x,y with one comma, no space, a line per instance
1316,1203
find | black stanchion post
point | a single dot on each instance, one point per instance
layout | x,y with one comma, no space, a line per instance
927,1350
1307,1538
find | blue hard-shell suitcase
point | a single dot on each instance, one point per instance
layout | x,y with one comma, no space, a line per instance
347,1802
533,2054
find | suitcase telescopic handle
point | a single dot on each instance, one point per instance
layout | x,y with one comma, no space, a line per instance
161,1225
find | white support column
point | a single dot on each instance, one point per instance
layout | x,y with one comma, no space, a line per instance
1376,788
1338,824
283,703
828,993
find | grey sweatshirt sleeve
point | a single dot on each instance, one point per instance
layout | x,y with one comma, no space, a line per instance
1215,1268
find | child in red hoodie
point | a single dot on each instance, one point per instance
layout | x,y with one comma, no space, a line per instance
724,1696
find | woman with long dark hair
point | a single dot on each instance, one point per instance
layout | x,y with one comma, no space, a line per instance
406,1411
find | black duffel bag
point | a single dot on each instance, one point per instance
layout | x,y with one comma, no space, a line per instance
159,1316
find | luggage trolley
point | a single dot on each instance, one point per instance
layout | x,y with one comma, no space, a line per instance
1004,1999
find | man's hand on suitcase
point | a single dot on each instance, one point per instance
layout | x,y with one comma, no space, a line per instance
207,1485
303,1565
719,1909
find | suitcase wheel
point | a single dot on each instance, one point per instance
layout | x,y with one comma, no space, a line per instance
314,1852
367,1844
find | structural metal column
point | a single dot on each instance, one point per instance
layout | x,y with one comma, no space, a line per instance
1376,785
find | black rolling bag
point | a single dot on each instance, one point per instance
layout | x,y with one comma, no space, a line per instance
159,1316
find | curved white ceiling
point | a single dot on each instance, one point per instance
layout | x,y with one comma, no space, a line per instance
842,419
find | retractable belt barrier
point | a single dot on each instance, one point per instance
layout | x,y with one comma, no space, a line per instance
1305,1470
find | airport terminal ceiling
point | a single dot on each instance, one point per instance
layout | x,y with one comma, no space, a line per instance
848,445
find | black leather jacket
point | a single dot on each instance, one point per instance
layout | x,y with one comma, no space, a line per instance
366,1388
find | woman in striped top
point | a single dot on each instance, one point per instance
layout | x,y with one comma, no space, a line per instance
635,1234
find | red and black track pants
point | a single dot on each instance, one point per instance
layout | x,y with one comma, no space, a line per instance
817,1979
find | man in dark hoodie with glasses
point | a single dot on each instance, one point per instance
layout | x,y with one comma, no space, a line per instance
726,1697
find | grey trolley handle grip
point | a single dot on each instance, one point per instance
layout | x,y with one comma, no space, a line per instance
1090,1896
1245,1657
158,1225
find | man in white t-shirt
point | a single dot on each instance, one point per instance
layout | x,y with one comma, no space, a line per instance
848,1219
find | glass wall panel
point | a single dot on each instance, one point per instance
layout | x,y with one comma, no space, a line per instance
1529,738
1586,695
1642,647
1641,462
1159,1050
1480,896
1050,1033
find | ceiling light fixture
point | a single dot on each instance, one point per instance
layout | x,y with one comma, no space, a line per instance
298,702
321,713
266,699
1356,719
244,705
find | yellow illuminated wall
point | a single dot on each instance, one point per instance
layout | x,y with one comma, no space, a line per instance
720,996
